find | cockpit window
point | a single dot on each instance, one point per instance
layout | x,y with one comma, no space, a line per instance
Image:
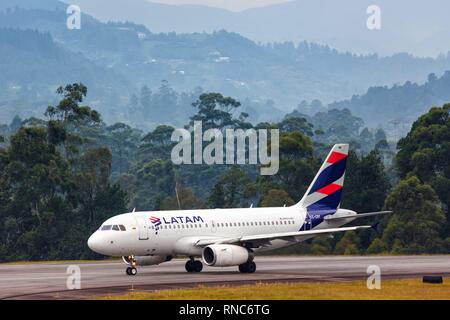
106,227
115,227
122,227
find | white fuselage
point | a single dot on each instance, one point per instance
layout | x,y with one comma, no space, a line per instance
176,232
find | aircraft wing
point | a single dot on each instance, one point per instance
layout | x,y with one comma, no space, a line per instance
257,240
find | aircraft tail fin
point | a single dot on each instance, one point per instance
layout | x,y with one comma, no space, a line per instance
324,193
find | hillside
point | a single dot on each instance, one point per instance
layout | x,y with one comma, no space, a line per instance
124,57
418,27
33,65
396,107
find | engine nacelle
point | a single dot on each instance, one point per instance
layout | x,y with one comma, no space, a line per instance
147,260
223,255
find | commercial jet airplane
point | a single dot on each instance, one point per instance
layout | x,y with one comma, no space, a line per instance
229,237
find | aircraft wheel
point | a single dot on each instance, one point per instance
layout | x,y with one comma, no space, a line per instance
248,267
251,267
131,271
242,268
189,266
198,266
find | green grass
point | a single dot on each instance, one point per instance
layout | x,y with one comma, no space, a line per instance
355,290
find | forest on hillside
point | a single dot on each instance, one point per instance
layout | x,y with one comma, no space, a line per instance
64,173
116,60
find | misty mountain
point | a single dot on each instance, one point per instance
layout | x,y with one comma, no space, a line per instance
393,109
418,27
115,60
397,107
33,66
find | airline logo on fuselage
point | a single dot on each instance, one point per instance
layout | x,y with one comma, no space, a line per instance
181,219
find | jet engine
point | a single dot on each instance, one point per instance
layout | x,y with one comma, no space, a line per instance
147,260
222,255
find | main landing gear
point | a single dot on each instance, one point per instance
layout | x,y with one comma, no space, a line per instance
193,265
248,267
131,270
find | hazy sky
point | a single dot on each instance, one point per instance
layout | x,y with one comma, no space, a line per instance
233,5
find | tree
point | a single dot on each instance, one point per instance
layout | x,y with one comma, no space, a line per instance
349,244
417,221
123,142
297,166
34,182
299,124
67,114
187,200
425,152
16,123
276,198
232,190
92,178
216,111
45,195
366,184
164,102
157,143
321,245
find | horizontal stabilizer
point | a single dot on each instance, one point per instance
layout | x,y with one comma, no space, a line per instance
356,216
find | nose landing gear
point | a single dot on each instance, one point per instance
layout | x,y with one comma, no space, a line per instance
193,265
131,270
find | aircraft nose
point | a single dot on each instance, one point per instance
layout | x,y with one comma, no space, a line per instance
94,242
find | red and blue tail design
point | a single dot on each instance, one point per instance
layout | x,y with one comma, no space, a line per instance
323,196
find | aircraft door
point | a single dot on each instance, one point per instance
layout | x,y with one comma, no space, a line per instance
142,228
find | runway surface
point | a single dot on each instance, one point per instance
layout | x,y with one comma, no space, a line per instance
48,281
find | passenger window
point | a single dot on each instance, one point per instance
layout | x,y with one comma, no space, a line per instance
122,227
206,225
106,227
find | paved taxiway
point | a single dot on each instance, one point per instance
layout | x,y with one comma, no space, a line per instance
48,281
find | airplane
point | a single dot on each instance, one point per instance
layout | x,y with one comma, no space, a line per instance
230,237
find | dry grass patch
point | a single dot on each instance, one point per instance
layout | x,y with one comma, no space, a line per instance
355,290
